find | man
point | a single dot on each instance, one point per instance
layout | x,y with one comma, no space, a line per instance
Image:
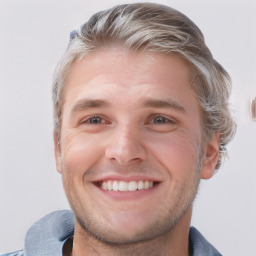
141,116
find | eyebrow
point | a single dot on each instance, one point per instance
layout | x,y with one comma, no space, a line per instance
168,104
85,104
89,103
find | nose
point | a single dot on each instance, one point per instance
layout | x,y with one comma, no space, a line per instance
125,146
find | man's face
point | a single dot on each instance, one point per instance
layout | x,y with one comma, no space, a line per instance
131,144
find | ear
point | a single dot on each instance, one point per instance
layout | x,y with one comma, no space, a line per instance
57,151
210,156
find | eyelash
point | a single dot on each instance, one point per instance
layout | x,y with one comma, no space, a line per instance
167,120
87,120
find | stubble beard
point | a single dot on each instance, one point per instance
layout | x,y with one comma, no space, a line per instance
163,225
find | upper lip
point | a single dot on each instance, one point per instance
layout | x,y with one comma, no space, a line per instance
127,178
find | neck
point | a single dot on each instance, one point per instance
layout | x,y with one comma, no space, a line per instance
173,243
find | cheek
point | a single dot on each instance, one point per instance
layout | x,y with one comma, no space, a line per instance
79,152
178,152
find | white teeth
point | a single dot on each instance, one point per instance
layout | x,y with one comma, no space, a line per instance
146,185
132,186
115,185
126,186
141,185
109,185
123,186
105,186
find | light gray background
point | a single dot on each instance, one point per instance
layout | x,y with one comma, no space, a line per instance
34,34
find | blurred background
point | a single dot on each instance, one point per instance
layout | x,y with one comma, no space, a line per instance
33,36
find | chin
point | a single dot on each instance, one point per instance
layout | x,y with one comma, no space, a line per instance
132,230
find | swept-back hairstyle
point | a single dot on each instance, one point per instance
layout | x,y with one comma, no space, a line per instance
154,28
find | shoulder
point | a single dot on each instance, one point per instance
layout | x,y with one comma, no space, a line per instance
17,253
47,235
199,245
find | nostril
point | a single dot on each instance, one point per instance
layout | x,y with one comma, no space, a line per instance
125,158
124,147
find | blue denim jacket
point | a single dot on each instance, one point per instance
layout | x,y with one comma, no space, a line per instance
47,237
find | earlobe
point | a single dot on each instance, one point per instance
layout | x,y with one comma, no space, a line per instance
210,157
57,151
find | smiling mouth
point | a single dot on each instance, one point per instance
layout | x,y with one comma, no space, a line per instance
115,185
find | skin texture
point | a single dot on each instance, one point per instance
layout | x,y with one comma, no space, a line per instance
132,116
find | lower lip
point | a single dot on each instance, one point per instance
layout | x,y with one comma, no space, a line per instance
129,195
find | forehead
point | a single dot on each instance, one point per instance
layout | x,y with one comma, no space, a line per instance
121,63
113,70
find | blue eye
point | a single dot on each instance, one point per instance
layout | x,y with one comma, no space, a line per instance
160,120
94,123
161,123
95,120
